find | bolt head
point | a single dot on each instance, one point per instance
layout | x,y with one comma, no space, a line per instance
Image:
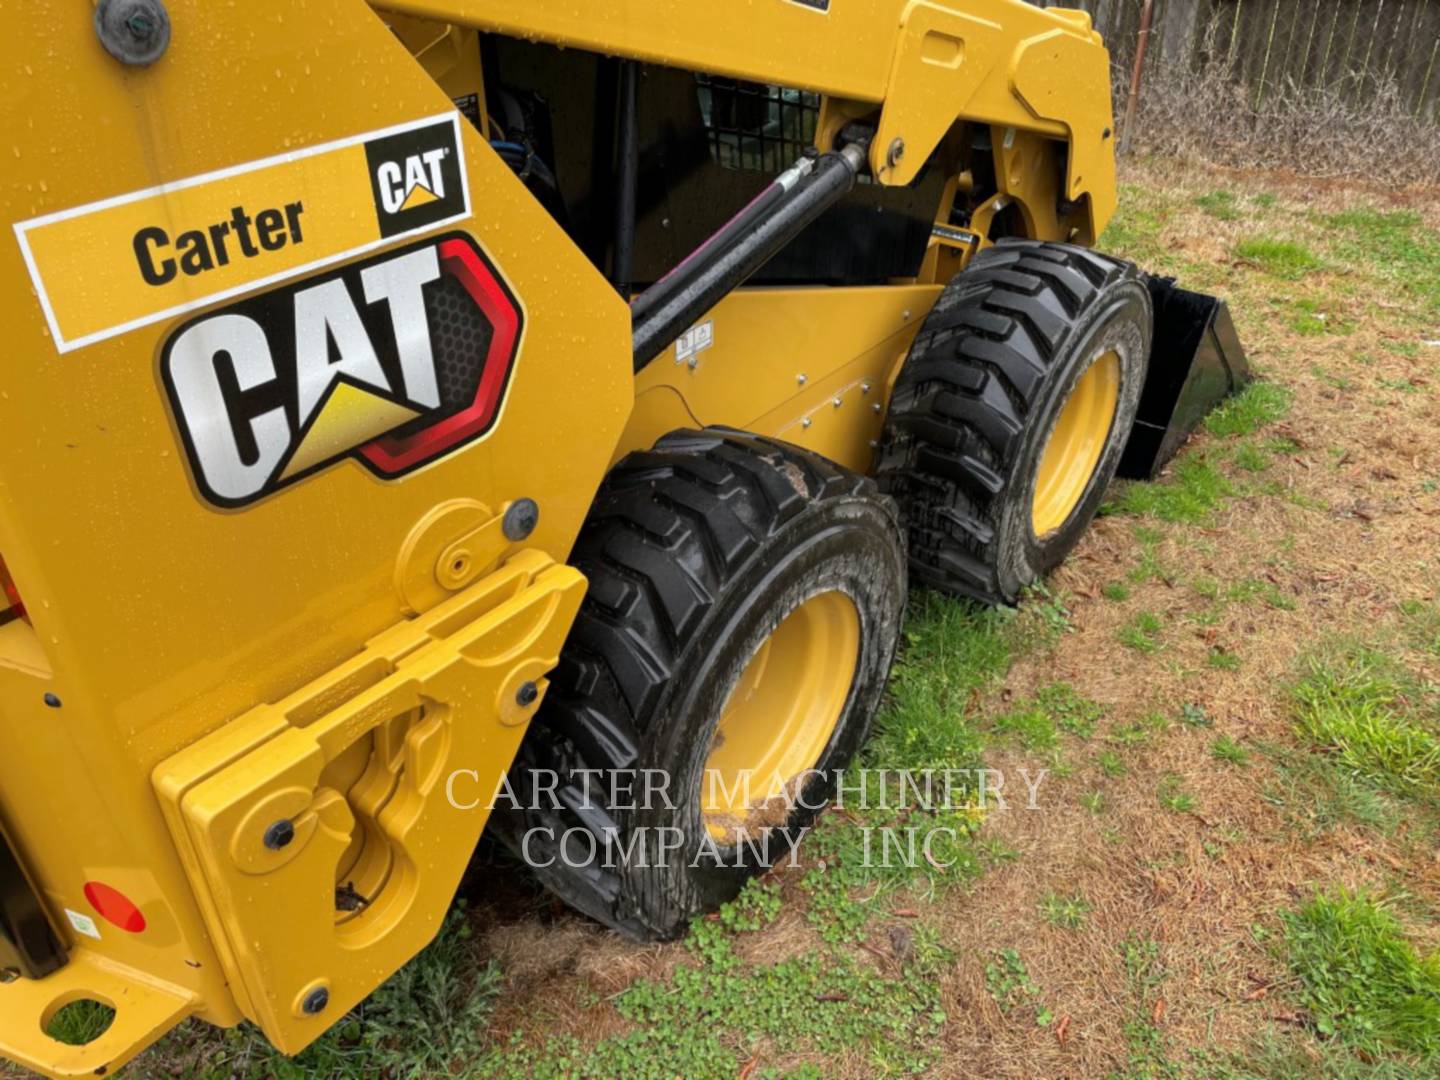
896,153
316,1001
527,694
521,519
135,32
280,835
52,701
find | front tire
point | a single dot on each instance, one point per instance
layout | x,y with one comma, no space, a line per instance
744,609
1011,414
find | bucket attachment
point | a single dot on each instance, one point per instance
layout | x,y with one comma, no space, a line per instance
1196,362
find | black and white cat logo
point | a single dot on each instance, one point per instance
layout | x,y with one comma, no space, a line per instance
416,177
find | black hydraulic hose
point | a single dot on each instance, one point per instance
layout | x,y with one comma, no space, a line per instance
731,256
721,240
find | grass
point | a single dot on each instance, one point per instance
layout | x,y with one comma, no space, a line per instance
1279,258
1297,1057
1421,624
429,1016
1221,659
1395,243
1220,205
1066,912
1191,494
1148,1045
80,1023
1316,794
1136,232
1250,590
1359,706
1111,763
1038,722
1229,751
1308,318
1193,714
1362,982
1073,713
1173,797
1252,458
1141,731
1149,567
1009,983
1141,633
861,864
952,651
1258,405
717,1011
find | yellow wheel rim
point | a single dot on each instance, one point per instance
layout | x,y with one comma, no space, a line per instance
780,716
1076,444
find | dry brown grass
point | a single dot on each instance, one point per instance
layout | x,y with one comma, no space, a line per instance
1359,126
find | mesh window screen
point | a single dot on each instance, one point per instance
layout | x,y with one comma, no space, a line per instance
755,126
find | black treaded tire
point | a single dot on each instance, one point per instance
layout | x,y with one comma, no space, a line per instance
978,396
694,552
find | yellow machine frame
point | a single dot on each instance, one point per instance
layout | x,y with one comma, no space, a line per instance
326,655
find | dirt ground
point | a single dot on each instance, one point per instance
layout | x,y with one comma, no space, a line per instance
1129,926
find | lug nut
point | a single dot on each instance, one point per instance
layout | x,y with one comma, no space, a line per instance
280,835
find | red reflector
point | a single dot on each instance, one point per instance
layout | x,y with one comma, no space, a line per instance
115,907
13,607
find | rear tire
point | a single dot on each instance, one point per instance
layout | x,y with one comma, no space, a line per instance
1034,344
717,560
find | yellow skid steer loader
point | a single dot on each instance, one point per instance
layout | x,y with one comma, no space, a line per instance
408,407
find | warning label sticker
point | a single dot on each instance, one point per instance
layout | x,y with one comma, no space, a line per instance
112,266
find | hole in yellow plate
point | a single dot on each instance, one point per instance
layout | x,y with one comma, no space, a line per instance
80,1022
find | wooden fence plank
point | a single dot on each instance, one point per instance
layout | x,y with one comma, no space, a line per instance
1314,20
1322,73
1347,45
